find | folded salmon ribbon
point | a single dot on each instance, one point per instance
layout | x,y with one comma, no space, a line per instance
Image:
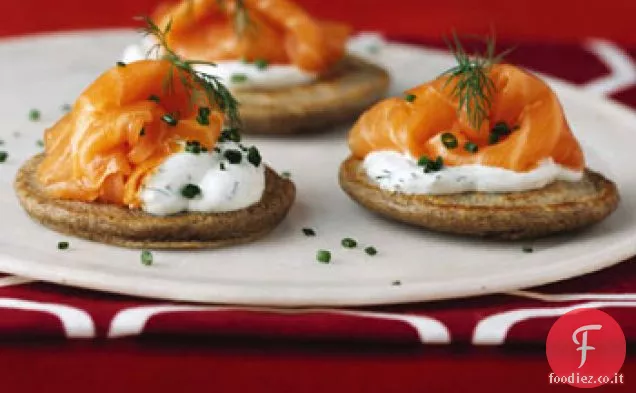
120,129
521,100
276,31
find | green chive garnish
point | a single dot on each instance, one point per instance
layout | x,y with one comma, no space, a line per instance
222,166
286,174
501,128
193,147
203,117
348,242
3,156
62,245
190,191
231,135
449,140
431,165
527,249
323,256
396,283
1,142
493,138
169,119
410,97
154,98
238,78
233,156
371,251
309,232
65,107
40,143
146,258
261,64
254,156
121,64
471,147
34,115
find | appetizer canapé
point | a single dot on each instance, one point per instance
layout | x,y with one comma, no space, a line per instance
290,72
150,156
483,150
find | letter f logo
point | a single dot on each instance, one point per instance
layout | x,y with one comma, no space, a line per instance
584,347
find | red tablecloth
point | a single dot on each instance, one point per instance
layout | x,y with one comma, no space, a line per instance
318,350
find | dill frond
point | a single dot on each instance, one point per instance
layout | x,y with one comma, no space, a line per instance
474,89
216,93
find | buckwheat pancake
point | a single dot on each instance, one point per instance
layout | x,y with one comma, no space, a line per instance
559,207
337,97
133,228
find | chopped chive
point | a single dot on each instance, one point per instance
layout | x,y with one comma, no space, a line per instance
254,156
501,128
62,245
34,115
193,147
231,135
222,166
40,143
238,78
493,138
396,283
371,251
471,147
431,165
142,132
169,119
154,98
121,64
146,258
190,191
449,140
203,117
410,97
3,156
527,249
348,242
65,107
1,142
323,256
286,174
309,232
261,64
233,156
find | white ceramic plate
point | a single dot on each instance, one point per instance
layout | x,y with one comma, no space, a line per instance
281,270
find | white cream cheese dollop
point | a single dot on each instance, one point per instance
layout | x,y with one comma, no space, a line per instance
393,171
224,186
236,74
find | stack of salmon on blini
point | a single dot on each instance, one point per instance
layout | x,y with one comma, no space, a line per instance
483,150
150,157
290,72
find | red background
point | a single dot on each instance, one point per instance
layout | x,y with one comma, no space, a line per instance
514,20
162,365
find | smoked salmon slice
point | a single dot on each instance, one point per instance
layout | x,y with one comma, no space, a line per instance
119,130
521,101
277,31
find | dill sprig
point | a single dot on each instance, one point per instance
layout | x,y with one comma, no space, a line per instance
216,93
474,88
